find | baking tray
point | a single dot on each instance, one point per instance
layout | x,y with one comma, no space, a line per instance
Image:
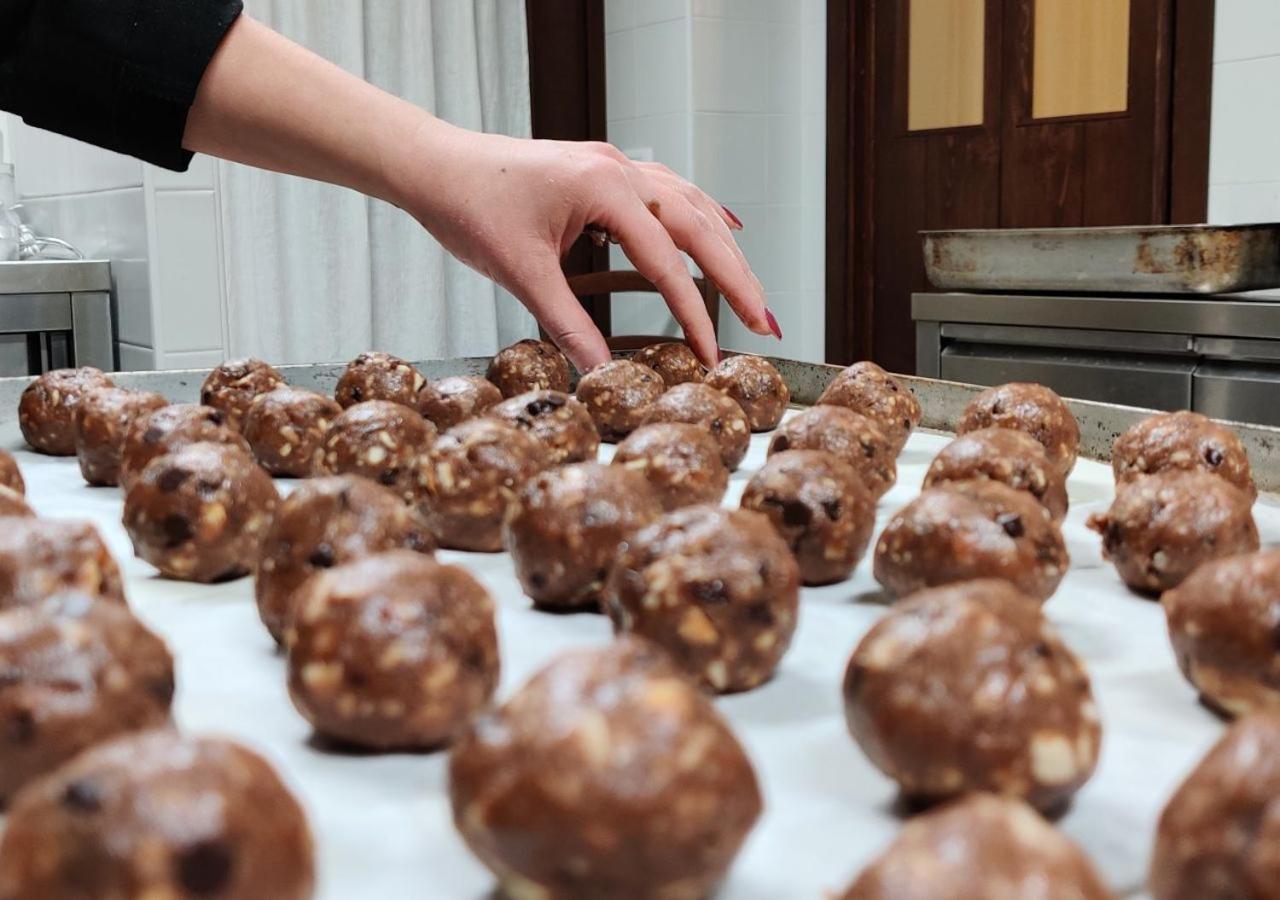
1164,259
382,822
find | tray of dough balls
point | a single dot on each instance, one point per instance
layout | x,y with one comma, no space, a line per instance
338,632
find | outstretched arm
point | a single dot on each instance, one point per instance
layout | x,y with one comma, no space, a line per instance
509,208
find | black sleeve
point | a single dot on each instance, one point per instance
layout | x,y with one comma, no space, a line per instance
121,74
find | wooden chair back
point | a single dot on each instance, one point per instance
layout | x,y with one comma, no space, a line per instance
630,281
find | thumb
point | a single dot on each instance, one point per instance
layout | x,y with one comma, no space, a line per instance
562,316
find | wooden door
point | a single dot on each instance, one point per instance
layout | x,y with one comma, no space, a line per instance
999,113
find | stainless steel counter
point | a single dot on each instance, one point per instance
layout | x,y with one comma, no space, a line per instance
1220,356
64,310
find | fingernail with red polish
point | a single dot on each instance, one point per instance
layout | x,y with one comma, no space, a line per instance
737,223
773,323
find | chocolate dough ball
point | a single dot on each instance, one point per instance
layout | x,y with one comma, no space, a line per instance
559,421
681,462
450,400
47,410
565,528
977,848
1011,457
969,688
617,394
325,522
171,428
1032,408
76,672
13,504
379,376
392,651
471,477
10,474
380,440
870,391
43,557
200,512
819,505
606,775
756,386
716,588
158,815
1182,440
971,529
231,387
286,428
1222,621
673,360
103,418
1219,835
702,405
852,437
1162,527
529,365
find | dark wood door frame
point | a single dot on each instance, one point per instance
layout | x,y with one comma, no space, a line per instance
851,117
567,101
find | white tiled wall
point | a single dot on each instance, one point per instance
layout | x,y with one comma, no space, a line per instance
1244,146
731,94
159,229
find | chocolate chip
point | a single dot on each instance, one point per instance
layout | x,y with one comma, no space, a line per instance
205,397
216,417
795,514
322,557
82,797
357,394
780,443
716,425
760,614
152,435
538,580
1012,524
712,591
21,727
205,868
833,509
171,479
868,450
177,529
543,405
1213,456
388,476
161,687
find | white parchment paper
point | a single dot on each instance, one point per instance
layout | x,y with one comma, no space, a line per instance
382,822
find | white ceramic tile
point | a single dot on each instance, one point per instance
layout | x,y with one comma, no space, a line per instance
620,74
6,137
1244,137
188,274
813,248
1235,204
731,67
622,133
49,164
813,12
662,68
784,158
200,174
802,336
131,280
619,15
749,10
668,137
650,11
785,69
136,359
813,161
730,157
813,70
191,359
770,240
1246,28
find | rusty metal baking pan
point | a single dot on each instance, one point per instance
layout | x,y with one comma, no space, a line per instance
1163,259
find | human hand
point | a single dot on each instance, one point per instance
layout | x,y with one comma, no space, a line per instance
511,208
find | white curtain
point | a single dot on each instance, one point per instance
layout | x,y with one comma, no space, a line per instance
316,273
